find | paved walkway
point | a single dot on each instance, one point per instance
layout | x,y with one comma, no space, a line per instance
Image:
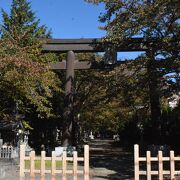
9,170
106,163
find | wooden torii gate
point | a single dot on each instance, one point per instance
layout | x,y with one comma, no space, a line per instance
72,46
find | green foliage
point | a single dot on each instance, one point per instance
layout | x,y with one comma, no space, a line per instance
99,97
150,20
155,75
21,26
26,83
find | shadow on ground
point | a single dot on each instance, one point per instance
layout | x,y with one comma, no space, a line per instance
108,162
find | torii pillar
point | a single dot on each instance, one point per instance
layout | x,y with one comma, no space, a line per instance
69,122
68,115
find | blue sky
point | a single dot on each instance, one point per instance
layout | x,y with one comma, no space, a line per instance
66,18
69,19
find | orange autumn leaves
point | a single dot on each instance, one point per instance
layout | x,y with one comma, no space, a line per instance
28,77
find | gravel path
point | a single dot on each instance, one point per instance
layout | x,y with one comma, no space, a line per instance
9,170
106,163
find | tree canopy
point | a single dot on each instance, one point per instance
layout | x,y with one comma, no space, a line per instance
26,82
158,23
22,26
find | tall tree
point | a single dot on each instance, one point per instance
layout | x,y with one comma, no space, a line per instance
25,78
21,25
158,23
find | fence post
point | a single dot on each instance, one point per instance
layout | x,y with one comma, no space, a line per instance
136,162
148,159
86,162
5,152
53,165
43,154
32,164
172,164
64,166
22,163
75,165
9,152
160,155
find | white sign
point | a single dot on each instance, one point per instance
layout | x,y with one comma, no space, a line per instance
59,151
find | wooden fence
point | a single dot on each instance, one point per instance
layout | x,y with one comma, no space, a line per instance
159,159
63,172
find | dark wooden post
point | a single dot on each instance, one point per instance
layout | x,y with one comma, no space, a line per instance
68,116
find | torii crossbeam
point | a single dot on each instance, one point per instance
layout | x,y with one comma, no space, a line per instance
93,45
